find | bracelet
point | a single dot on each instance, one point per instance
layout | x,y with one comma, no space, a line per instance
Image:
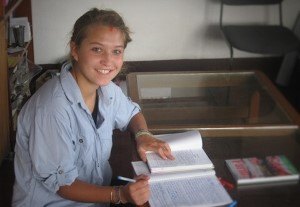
142,132
121,189
115,195
111,195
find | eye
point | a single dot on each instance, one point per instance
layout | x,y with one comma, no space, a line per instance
117,52
96,49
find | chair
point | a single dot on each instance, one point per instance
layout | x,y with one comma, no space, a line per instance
258,38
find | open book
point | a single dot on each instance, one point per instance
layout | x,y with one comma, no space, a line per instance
190,182
188,152
269,169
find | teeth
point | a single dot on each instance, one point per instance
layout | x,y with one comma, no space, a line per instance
103,71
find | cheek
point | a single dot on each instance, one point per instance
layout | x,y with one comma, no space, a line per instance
119,61
84,56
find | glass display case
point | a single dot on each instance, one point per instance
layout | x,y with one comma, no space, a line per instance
212,102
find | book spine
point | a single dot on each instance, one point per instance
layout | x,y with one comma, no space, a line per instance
269,169
238,169
280,165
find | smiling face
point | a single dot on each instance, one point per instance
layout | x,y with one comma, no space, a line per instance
99,57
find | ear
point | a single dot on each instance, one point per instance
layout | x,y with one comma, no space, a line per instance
74,50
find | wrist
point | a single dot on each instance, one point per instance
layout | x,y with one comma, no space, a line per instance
117,195
122,196
142,132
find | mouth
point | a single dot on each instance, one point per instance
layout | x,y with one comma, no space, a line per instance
103,71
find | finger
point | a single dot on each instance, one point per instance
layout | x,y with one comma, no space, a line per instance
142,177
139,188
141,197
166,150
142,154
168,153
136,192
141,182
161,153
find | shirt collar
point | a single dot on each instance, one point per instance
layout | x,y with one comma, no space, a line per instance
69,85
72,90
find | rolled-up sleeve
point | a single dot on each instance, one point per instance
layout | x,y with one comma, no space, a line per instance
51,149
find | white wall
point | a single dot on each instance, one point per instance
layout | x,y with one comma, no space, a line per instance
162,29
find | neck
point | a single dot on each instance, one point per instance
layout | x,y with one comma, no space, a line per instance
88,93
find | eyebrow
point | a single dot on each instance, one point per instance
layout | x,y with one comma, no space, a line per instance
97,43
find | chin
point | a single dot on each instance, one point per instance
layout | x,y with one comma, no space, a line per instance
103,83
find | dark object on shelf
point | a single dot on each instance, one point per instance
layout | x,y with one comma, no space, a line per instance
19,31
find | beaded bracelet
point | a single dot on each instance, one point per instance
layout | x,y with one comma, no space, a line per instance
142,132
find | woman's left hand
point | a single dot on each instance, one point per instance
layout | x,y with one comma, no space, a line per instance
150,143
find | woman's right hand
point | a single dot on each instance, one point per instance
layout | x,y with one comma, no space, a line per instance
137,193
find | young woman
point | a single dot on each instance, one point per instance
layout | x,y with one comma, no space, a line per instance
64,134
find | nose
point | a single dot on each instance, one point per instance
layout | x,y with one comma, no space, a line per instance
106,58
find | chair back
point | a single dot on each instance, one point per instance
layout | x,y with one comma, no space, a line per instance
249,3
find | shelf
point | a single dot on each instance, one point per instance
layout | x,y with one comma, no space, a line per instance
15,58
25,72
18,8
20,79
28,76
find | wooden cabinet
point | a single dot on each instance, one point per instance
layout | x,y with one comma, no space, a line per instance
15,8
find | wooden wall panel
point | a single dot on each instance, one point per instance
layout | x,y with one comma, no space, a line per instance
4,99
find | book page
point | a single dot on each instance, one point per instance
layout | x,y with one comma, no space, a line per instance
141,168
184,160
182,141
197,191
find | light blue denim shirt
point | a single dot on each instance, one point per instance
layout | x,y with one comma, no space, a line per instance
58,141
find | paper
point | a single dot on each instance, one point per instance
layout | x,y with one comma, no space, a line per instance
186,148
188,188
141,168
197,191
184,160
182,141
155,93
189,180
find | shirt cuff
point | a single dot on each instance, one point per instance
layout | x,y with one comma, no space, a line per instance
60,178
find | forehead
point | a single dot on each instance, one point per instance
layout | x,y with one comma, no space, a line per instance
104,34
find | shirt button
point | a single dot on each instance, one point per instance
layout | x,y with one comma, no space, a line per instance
60,172
80,140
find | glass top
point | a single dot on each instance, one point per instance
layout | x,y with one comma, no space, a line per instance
207,99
